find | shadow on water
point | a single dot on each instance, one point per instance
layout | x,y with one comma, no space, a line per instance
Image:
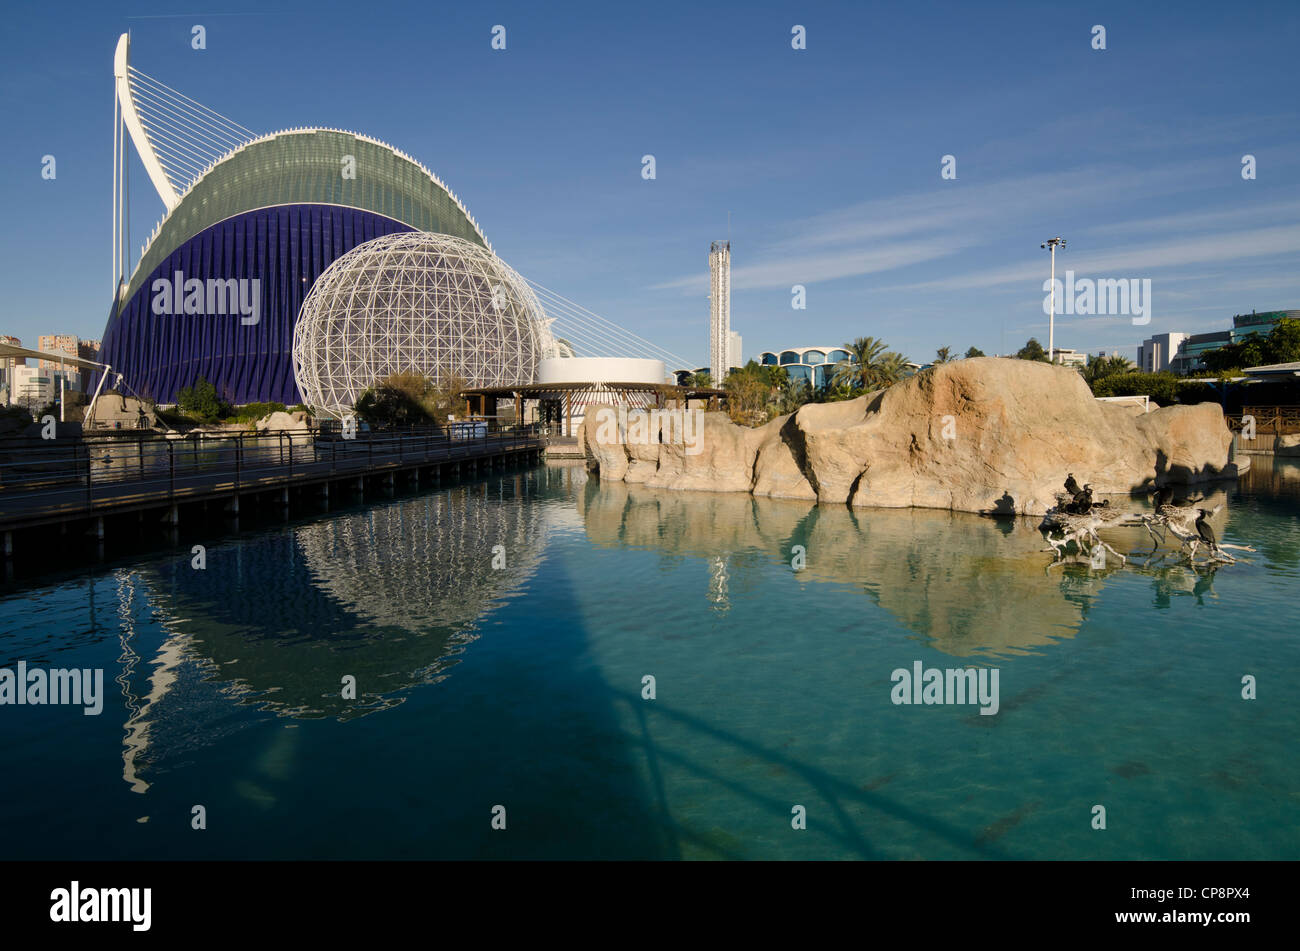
852,835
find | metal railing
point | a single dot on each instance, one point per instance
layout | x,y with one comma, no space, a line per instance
1257,429
99,473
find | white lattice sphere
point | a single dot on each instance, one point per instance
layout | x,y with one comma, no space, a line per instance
415,301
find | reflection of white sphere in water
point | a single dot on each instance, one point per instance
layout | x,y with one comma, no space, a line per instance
426,563
415,301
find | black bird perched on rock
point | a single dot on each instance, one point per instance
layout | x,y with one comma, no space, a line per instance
1083,500
1070,485
1204,530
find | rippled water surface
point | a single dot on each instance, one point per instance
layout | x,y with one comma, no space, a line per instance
521,686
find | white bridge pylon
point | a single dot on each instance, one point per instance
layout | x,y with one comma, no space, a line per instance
177,140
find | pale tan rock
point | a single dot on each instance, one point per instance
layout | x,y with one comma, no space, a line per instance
283,420
1287,445
605,452
981,435
778,472
1188,440
724,461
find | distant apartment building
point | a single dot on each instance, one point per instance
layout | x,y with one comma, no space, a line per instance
1156,354
815,365
1243,325
56,343
70,344
1071,358
1184,353
7,365
33,387
1195,346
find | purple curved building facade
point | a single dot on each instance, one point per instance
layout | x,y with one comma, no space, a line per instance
217,292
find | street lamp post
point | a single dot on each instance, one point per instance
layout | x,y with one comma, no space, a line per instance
1052,244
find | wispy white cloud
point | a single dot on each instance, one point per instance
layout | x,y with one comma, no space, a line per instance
811,268
1134,260
890,234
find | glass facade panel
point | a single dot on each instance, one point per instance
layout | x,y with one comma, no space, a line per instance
837,356
789,357
768,360
814,357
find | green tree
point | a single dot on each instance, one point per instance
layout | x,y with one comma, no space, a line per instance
943,355
754,392
974,352
1161,387
1098,367
1284,342
892,368
200,401
701,379
408,398
1253,351
1032,350
861,369
793,395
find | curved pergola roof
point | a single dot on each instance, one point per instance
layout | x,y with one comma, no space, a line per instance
306,166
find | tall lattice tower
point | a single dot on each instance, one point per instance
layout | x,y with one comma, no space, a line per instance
719,310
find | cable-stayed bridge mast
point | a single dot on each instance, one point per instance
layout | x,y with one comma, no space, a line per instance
177,139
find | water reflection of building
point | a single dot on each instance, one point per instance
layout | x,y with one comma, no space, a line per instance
389,595
1272,476
718,583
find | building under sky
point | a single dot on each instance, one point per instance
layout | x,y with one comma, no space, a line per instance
829,158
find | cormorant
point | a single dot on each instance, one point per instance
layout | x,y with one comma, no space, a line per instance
1083,500
1205,531
1070,485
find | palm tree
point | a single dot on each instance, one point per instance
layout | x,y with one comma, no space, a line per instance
942,355
860,370
891,368
791,395
1099,367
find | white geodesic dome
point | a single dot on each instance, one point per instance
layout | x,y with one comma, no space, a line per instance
416,301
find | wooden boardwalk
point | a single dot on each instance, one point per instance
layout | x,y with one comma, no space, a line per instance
48,485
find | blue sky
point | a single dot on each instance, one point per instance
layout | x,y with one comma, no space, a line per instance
828,159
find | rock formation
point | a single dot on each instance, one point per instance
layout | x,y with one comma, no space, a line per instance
279,420
987,435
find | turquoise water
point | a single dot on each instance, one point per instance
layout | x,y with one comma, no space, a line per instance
521,686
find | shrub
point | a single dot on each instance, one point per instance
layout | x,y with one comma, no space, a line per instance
17,412
251,412
1165,388
200,401
409,398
